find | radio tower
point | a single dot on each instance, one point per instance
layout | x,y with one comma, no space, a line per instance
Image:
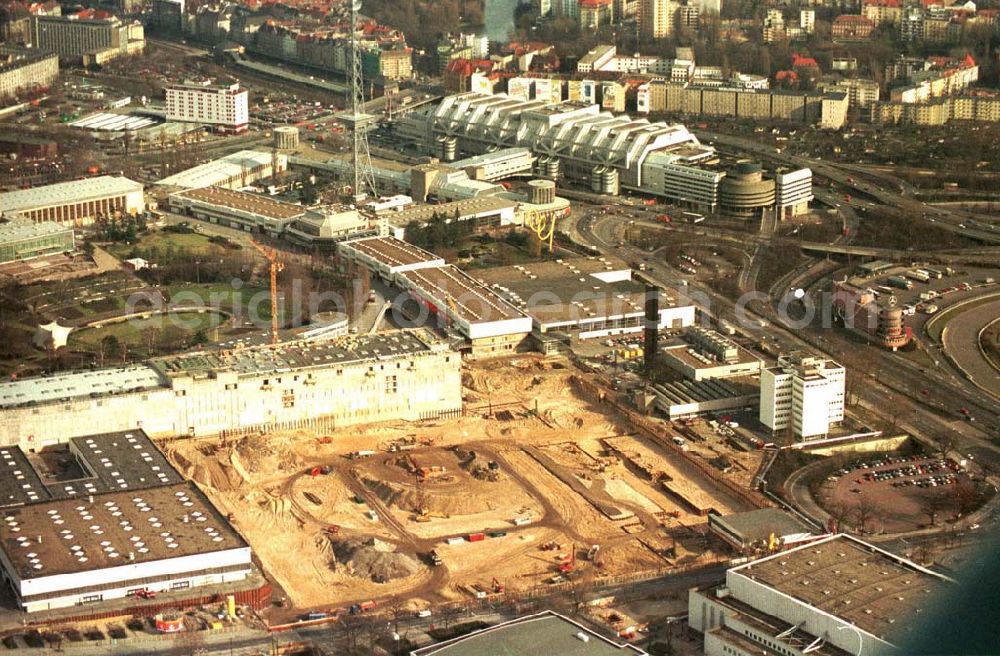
356,120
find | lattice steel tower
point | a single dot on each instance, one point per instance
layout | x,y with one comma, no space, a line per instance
356,120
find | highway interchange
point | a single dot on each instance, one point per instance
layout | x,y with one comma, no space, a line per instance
893,378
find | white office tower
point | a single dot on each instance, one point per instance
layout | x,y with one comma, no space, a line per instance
803,393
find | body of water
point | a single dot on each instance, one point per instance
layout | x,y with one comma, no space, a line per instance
499,16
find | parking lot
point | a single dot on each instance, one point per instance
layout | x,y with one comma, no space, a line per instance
897,493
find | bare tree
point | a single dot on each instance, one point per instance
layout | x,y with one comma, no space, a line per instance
946,444
933,505
840,512
966,496
865,510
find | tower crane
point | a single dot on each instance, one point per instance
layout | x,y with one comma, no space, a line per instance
275,267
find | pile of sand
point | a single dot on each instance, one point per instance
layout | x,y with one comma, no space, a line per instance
267,454
372,559
410,499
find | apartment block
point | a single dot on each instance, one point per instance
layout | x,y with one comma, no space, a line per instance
223,105
22,69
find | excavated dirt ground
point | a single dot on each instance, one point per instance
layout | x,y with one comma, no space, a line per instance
523,416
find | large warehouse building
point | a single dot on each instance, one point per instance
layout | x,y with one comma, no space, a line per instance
232,171
76,203
405,375
582,297
832,597
237,209
490,324
119,520
72,552
579,142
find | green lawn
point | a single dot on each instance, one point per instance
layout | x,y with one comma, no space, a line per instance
160,240
137,331
935,327
222,295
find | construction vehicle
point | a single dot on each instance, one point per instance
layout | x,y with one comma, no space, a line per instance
326,439
549,546
332,529
422,473
275,267
592,553
145,593
568,561
498,587
427,515
434,558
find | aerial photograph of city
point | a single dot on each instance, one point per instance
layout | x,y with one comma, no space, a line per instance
500,327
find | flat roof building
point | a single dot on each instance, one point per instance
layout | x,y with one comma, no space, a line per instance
237,209
225,106
803,394
491,324
585,297
835,596
443,292
76,203
702,354
547,632
86,550
688,398
233,171
763,529
481,211
292,385
387,256
117,519
23,240
22,69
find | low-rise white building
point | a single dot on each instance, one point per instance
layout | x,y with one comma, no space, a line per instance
830,597
805,394
233,171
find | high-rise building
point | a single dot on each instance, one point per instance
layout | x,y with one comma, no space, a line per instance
566,8
807,20
793,191
803,393
225,105
658,18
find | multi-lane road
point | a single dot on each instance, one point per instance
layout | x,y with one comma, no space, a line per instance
892,378
866,193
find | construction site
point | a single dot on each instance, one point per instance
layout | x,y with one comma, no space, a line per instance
535,484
